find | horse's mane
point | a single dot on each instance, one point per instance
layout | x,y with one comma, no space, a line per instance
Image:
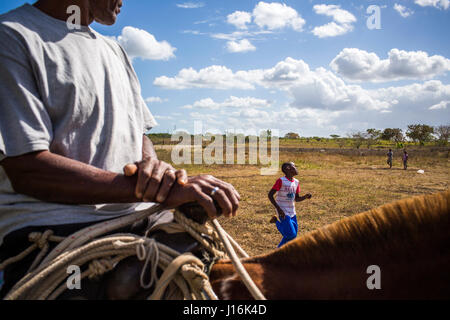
399,230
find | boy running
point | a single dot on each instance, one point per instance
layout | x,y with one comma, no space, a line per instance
288,192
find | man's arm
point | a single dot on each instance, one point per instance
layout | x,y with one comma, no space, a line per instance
275,204
53,178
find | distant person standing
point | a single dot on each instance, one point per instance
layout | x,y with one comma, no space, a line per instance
287,189
405,160
390,154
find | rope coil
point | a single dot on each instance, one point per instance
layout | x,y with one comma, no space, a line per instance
183,274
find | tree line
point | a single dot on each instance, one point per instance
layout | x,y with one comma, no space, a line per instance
417,133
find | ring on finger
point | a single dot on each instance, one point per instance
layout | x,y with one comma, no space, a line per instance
170,171
213,192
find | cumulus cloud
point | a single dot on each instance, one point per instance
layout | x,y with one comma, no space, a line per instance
231,102
155,100
440,105
342,21
317,98
323,103
318,88
277,16
265,18
240,46
440,4
190,5
239,19
215,77
359,65
416,96
139,43
252,120
402,10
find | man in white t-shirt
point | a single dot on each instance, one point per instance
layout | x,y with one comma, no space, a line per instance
287,189
71,118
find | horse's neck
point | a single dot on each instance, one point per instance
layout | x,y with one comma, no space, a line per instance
405,250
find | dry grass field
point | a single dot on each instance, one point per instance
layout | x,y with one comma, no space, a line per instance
341,186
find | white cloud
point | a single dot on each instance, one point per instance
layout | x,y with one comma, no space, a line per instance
440,105
339,15
359,65
238,35
342,21
317,100
416,95
403,11
155,100
216,77
332,29
239,19
440,4
277,16
309,88
190,5
240,46
159,117
231,102
139,43
322,103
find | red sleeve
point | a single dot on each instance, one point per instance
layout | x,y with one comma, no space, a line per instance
298,189
277,185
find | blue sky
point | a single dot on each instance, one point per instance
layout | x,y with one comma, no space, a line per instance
311,67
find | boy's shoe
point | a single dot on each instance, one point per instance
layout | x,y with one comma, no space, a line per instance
273,219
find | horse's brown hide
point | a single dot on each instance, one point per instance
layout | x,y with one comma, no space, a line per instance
409,239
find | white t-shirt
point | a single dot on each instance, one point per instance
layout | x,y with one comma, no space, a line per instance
286,191
74,93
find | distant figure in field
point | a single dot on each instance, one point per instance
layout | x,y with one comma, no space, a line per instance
288,192
405,160
390,154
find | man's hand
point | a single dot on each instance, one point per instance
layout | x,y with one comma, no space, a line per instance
155,179
199,189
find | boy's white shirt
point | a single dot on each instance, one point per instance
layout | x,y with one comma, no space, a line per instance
286,196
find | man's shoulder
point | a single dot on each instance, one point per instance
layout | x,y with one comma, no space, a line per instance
14,17
114,45
16,23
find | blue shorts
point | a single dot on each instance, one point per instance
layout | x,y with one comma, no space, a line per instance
288,228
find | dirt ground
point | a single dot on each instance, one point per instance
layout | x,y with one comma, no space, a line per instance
341,186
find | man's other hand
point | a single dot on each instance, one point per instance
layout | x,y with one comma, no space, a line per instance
200,189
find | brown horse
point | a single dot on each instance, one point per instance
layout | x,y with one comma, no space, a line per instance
408,240
397,251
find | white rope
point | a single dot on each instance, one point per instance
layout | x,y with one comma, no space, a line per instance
182,271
